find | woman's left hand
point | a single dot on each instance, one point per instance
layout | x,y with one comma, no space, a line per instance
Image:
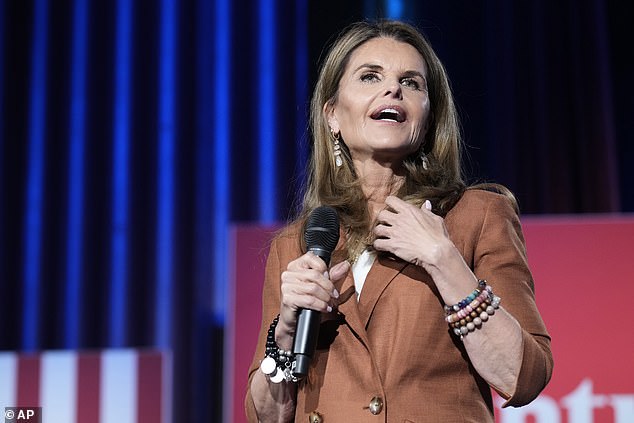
413,234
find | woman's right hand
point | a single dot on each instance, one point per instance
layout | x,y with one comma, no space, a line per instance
306,283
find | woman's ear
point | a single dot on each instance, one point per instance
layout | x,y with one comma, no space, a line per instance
331,117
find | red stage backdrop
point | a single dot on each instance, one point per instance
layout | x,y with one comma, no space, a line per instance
584,274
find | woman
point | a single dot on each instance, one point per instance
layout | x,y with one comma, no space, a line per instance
429,302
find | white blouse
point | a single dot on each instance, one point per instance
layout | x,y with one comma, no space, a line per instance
360,269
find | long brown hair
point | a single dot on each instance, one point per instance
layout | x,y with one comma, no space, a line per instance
439,180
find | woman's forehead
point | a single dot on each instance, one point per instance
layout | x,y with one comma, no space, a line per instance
386,53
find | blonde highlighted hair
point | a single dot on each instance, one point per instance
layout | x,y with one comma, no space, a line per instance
440,181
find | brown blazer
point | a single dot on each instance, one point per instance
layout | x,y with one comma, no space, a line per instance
394,345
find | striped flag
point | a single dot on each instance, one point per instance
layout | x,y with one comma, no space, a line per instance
108,386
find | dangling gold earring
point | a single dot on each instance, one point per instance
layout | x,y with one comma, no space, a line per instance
337,147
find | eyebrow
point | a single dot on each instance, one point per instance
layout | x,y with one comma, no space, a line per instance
374,67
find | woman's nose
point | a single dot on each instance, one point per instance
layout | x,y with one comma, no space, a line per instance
393,89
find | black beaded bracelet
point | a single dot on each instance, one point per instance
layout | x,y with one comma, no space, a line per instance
277,363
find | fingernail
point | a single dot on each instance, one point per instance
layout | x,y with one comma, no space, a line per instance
427,204
335,293
329,309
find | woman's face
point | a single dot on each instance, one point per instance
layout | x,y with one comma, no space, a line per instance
382,107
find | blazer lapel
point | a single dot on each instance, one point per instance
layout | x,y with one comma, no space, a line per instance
347,301
380,276
348,307
357,313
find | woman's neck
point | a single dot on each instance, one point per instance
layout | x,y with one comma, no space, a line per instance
378,181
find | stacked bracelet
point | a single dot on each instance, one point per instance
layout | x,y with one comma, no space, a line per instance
469,314
277,363
462,304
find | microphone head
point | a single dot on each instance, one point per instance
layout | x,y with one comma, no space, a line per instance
322,232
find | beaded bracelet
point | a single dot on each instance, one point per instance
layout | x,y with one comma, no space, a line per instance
462,330
469,316
462,304
469,308
277,363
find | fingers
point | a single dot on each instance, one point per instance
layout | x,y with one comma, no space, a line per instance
402,227
381,244
386,217
382,231
308,261
339,271
399,205
306,284
301,292
396,203
297,286
396,206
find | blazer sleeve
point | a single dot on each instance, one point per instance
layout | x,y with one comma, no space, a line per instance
500,258
271,297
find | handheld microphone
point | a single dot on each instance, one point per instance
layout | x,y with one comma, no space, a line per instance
321,236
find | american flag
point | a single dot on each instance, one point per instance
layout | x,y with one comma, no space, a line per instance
107,386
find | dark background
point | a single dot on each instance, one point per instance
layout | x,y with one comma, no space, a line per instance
544,90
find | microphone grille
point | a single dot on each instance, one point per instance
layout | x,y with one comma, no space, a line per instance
322,229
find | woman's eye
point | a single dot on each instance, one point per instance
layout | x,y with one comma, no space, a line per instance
411,83
369,77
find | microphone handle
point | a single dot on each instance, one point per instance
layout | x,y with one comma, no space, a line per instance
305,340
307,330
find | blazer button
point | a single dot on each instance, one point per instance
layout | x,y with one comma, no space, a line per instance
376,405
315,417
